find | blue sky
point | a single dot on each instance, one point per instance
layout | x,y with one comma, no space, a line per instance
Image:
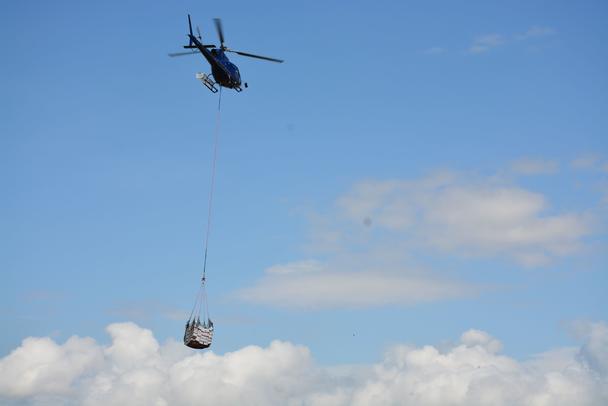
406,113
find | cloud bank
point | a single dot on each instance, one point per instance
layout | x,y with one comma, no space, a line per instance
136,370
469,218
372,246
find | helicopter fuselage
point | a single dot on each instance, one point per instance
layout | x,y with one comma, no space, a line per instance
224,72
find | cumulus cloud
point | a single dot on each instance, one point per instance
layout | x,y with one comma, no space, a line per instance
473,338
473,218
311,284
595,350
136,370
41,366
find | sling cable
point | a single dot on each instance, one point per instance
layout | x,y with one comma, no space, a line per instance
199,334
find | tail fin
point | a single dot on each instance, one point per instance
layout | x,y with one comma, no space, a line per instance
191,34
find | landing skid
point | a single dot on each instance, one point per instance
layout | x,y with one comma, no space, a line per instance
207,81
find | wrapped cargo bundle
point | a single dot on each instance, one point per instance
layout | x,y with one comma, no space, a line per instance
198,335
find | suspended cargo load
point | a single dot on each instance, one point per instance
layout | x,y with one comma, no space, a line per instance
198,335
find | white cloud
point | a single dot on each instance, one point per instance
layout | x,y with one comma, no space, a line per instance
471,218
299,285
378,229
296,268
134,369
586,161
529,166
480,338
486,42
595,350
40,365
535,32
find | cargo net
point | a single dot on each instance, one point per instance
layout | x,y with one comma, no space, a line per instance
199,334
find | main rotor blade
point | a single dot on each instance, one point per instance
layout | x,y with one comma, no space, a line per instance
182,53
220,31
255,56
190,52
199,33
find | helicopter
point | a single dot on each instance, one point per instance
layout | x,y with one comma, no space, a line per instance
224,72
